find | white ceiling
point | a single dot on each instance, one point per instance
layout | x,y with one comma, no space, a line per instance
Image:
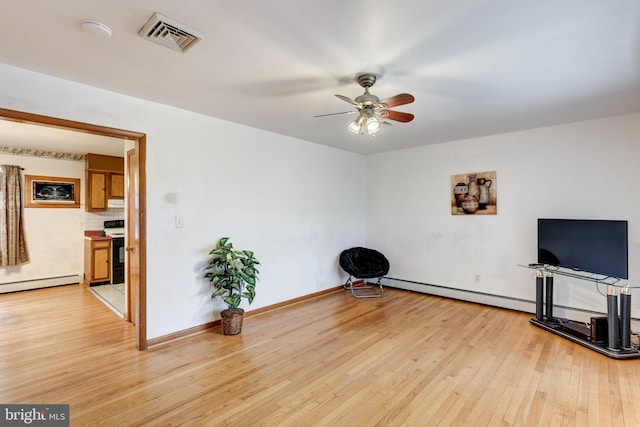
21,135
475,67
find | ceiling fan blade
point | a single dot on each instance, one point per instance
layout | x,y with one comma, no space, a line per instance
396,115
346,99
394,101
335,114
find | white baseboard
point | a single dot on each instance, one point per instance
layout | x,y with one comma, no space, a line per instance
46,282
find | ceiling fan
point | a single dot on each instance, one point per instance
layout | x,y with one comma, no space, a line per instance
371,110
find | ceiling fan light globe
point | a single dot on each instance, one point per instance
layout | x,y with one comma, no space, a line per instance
356,125
373,126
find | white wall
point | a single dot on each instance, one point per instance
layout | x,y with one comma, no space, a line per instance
296,204
54,236
581,170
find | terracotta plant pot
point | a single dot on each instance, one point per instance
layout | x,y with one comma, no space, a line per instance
232,321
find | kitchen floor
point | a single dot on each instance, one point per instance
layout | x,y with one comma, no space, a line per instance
112,296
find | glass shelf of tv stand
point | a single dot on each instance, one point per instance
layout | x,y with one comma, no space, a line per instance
582,275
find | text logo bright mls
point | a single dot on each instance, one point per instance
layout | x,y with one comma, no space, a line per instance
34,415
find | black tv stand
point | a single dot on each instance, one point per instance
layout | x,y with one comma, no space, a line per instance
618,343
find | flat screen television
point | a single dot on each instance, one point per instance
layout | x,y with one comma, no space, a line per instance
594,246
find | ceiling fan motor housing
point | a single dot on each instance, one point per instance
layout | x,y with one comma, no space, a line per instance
366,81
367,99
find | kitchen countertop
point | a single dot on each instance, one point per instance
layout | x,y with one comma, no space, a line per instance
95,235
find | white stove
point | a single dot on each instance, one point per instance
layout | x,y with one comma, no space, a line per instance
114,228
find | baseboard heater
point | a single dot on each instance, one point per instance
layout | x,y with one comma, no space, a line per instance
45,282
511,303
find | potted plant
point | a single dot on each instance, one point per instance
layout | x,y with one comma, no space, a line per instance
233,276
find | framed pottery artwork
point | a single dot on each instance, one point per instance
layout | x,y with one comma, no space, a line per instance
474,194
52,192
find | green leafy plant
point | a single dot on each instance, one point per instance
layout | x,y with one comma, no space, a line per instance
232,273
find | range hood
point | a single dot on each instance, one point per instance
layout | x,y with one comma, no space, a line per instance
115,203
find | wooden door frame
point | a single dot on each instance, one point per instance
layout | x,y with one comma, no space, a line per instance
141,147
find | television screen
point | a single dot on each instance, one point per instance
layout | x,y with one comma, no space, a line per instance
594,246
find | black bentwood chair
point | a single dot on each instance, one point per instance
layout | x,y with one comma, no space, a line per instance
364,263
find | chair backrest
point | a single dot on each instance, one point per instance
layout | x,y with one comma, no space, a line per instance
364,263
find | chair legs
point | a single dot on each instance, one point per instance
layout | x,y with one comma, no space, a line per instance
356,291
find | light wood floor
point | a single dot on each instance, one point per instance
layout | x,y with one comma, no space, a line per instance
406,359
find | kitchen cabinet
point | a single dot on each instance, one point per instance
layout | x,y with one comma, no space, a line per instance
115,185
105,180
97,261
96,191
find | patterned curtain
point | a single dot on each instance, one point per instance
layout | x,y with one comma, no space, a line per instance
13,248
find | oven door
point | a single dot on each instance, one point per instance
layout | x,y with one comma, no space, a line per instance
121,254
117,251
117,260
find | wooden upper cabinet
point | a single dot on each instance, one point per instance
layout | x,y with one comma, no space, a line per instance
105,180
103,163
96,191
116,186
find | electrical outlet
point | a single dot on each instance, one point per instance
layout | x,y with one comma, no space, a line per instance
477,278
179,222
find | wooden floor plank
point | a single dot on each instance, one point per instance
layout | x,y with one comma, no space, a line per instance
404,359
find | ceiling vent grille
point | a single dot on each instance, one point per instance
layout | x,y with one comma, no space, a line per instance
169,33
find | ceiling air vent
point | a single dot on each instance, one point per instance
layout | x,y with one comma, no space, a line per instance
169,33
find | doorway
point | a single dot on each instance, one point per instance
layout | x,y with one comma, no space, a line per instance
136,246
